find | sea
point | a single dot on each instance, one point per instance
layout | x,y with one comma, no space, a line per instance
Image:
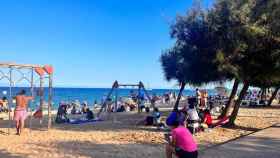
90,95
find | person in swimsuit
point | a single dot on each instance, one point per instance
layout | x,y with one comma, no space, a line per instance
198,97
21,110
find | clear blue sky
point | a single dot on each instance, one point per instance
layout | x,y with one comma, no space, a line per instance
90,43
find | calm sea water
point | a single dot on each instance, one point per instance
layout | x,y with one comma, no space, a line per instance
88,94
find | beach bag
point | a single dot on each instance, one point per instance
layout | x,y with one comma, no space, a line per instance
149,121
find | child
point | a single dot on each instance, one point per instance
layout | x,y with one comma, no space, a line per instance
207,120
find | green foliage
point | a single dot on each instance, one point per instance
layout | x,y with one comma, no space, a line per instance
192,58
246,49
235,39
266,13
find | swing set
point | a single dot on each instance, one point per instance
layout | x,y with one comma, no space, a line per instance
17,74
115,87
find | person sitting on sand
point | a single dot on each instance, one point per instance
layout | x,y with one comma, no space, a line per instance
181,143
89,115
4,105
120,105
61,116
76,107
20,112
207,120
152,120
156,117
73,110
84,107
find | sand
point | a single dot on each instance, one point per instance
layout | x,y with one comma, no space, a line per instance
118,137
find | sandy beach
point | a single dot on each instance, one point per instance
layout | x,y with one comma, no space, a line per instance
118,137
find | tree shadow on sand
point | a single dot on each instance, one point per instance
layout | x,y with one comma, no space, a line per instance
5,154
34,125
91,149
249,146
251,129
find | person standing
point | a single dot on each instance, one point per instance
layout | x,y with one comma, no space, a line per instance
198,97
20,112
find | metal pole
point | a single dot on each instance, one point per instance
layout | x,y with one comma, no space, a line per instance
32,94
10,98
32,82
41,93
50,101
103,106
116,99
138,99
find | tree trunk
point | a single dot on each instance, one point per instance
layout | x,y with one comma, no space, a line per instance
231,99
262,94
273,96
238,103
179,97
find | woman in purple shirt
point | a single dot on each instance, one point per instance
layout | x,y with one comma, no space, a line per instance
181,141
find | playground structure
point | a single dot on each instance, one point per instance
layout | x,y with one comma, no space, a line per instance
18,73
140,86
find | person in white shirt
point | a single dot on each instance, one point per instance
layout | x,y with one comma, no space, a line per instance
192,114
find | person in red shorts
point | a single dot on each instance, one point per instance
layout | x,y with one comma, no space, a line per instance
20,113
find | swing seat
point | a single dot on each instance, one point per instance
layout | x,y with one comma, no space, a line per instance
38,114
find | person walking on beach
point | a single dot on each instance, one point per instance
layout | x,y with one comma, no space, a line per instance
21,110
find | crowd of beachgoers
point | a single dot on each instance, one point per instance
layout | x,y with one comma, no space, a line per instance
197,115
214,103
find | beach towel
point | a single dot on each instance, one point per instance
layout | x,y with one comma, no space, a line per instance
80,121
221,122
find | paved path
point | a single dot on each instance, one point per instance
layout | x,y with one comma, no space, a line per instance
262,144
